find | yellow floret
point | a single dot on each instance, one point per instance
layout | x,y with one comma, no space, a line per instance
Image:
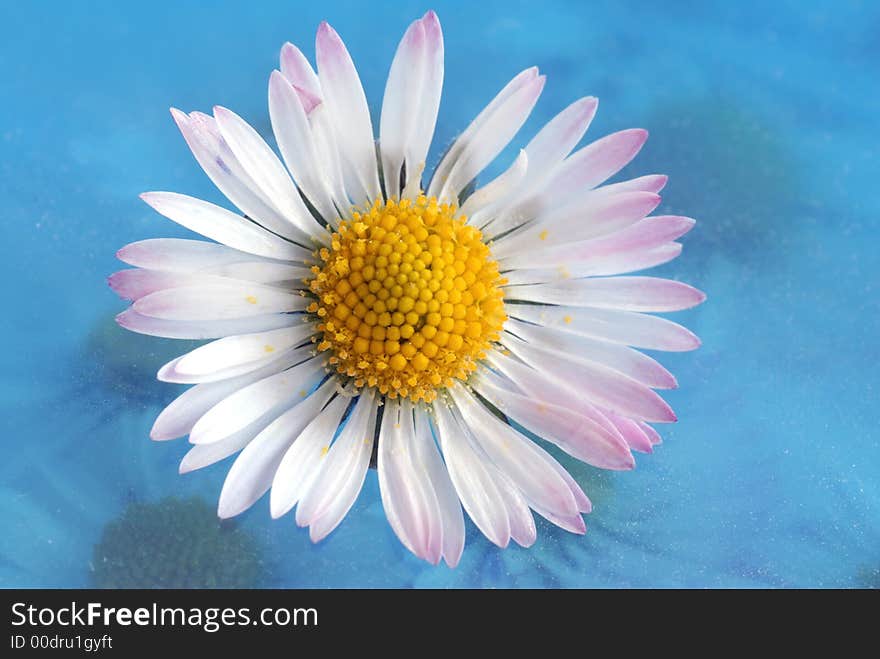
408,297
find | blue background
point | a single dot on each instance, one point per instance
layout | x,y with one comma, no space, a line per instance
765,116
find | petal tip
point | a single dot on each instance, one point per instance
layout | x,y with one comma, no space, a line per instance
180,117
156,434
325,30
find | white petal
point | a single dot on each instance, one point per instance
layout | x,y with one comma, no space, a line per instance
547,150
598,161
520,460
189,256
605,387
625,327
225,171
252,472
294,135
480,205
342,474
345,100
540,386
576,434
249,403
224,226
522,523
571,183
296,68
407,496
242,349
269,174
559,136
264,272
630,362
594,255
425,118
624,293
301,463
592,216
169,372
650,183
400,103
229,299
427,461
178,418
203,329
136,283
473,482
329,160
495,132
443,170
204,455
580,266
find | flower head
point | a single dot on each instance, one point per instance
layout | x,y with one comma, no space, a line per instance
359,309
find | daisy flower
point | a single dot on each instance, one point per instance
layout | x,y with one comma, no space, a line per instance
364,312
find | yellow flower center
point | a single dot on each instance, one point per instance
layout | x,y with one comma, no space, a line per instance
408,296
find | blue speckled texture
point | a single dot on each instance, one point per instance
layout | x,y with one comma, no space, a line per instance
765,118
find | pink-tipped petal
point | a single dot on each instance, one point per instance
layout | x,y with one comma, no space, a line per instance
577,435
626,327
219,301
400,105
432,85
269,174
296,68
632,433
226,172
596,162
631,363
560,135
296,143
624,293
574,223
652,435
427,460
210,329
605,387
345,100
525,464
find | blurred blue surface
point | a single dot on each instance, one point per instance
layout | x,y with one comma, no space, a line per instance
765,116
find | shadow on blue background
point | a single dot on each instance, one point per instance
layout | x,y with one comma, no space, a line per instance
765,117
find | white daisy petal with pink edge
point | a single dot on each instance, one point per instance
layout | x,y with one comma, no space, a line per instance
362,310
